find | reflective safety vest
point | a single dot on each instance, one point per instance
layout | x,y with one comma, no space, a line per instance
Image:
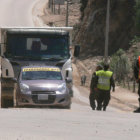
104,79
139,67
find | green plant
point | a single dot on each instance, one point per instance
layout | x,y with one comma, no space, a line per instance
101,63
136,54
137,14
135,40
120,65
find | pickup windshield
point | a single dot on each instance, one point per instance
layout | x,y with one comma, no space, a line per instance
37,46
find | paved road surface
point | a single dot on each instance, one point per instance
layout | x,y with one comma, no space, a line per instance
57,124
18,12
78,123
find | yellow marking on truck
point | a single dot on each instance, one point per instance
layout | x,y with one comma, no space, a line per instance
41,69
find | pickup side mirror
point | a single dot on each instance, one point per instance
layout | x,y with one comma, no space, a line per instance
68,80
76,50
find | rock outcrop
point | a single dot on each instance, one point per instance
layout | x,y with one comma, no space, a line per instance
91,35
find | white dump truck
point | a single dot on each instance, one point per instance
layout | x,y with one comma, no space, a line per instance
33,46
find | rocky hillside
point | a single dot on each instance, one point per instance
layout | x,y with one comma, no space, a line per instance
91,34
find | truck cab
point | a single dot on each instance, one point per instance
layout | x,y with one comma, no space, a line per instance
33,46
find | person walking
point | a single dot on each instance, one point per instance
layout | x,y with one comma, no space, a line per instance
104,82
92,95
137,77
83,80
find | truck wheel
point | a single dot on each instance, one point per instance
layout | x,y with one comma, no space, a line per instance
7,89
5,103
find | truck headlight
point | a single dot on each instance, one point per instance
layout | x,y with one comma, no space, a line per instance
24,88
61,89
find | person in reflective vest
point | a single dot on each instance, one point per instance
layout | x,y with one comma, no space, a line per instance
104,82
137,77
92,95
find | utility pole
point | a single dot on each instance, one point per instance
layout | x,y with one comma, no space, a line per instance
59,8
107,31
52,5
67,13
49,4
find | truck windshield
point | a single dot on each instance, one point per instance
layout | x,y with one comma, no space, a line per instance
41,47
41,75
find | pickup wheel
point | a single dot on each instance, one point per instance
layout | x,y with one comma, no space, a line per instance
68,106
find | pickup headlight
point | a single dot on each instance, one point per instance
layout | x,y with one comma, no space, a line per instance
24,88
61,89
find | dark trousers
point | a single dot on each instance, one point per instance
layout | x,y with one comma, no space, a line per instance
92,100
103,98
139,93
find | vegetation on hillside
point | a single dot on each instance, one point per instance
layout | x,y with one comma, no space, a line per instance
83,6
136,38
137,15
124,33
120,65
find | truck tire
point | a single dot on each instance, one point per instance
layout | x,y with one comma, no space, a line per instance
7,89
5,103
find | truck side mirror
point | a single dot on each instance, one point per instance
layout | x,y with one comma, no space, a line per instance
76,50
68,80
14,80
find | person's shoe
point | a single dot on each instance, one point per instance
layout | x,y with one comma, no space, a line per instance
104,108
137,110
99,108
93,108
